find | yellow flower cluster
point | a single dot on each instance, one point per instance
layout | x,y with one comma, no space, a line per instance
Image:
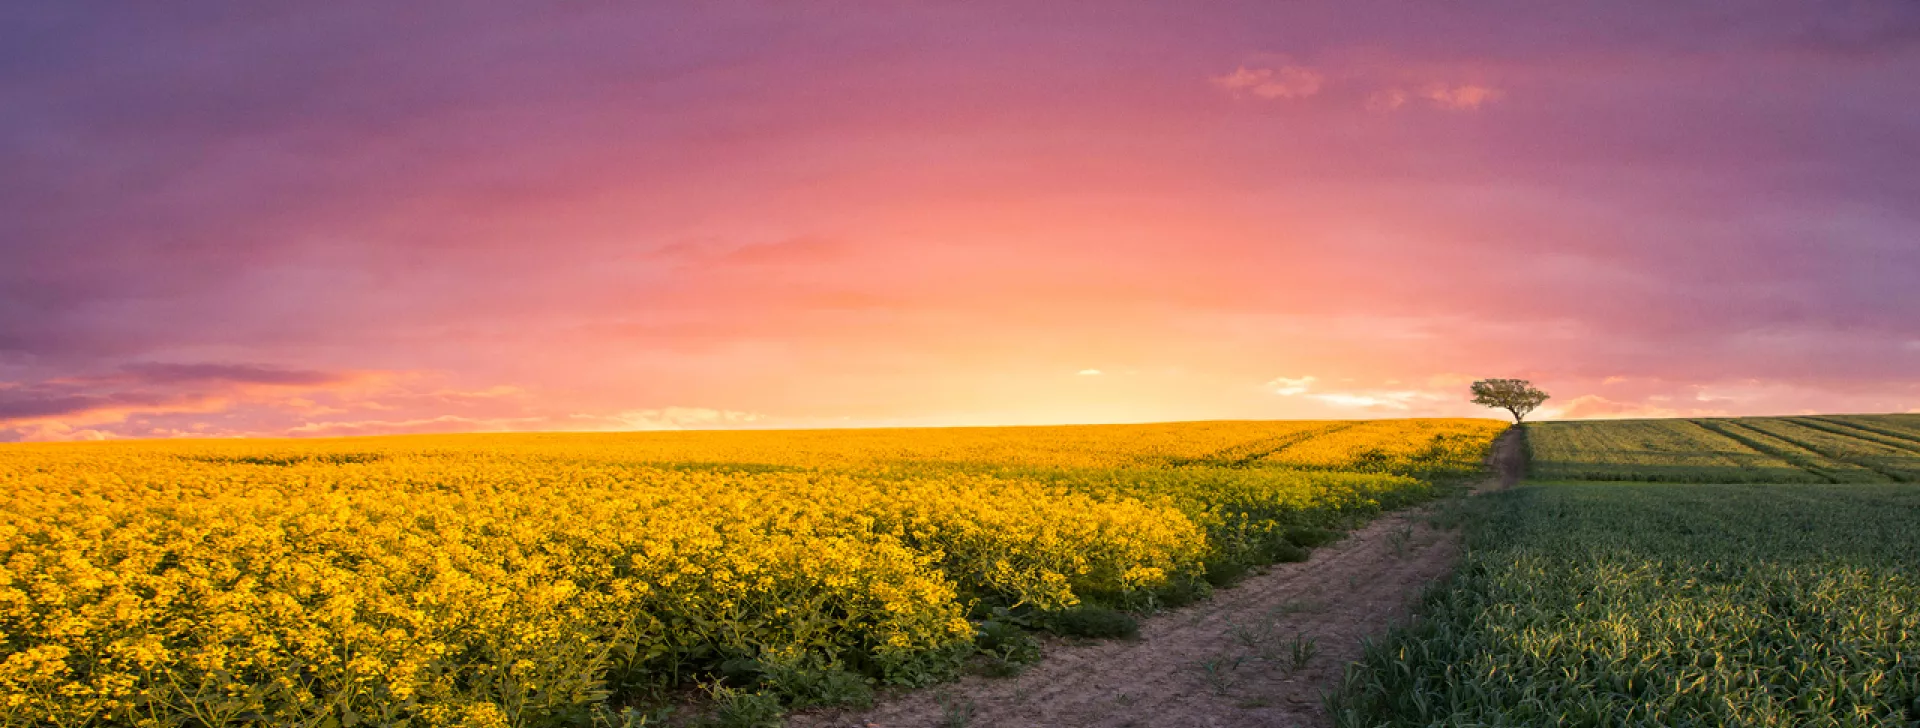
519,580
1395,446
1068,446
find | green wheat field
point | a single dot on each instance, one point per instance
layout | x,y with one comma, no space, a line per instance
1683,572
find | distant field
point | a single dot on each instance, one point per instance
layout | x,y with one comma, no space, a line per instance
1789,596
1817,449
547,579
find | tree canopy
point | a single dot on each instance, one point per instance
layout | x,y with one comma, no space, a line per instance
1517,396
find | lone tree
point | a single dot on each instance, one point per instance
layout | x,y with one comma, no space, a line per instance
1513,395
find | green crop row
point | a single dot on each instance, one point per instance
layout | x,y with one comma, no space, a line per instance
1664,605
1825,449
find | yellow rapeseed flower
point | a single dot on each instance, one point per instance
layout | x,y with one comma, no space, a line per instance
507,580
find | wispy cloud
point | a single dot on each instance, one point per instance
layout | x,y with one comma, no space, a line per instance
1383,399
1289,386
1594,406
1378,399
422,425
671,418
52,432
1619,397
1464,97
1390,99
145,388
156,373
1285,82
1089,372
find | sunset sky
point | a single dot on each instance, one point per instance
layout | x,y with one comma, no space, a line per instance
357,218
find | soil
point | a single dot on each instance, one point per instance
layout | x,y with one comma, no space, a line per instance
1260,654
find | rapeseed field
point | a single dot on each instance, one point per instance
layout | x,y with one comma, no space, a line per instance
561,579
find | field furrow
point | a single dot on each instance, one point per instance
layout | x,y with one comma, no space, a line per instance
1654,450
1832,471
1865,450
1890,435
1248,453
1905,447
1907,425
1432,447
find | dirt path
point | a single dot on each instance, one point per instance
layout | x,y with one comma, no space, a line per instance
1260,654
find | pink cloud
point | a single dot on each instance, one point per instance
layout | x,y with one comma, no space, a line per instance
1389,400
1285,82
1386,100
1594,406
1653,397
149,388
424,425
668,418
1464,97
